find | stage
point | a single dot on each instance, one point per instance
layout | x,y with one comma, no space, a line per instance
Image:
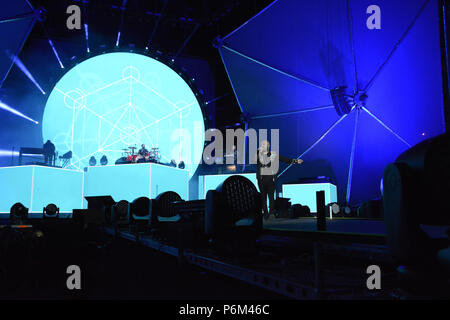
37,186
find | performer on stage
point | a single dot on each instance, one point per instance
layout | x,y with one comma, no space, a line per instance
49,152
266,174
142,153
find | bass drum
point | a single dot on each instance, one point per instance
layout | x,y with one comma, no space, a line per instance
122,160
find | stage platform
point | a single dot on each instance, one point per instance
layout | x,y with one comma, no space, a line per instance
37,186
347,225
365,230
131,181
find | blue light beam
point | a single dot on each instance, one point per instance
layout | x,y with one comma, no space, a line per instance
14,111
21,66
352,157
56,53
8,153
86,32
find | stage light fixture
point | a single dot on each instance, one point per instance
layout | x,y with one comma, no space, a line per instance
104,160
92,161
122,208
50,211
181,165
140,207
18,213
347,211
335,208
342,101
120,212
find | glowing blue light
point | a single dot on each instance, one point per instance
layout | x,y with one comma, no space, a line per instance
24,69
86,32
56,53
116,100
118,39
14,111
8,153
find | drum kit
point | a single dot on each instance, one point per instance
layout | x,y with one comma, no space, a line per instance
152,156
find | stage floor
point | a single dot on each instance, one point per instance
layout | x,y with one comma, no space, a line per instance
347,225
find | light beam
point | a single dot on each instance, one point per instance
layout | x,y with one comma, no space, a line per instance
4,106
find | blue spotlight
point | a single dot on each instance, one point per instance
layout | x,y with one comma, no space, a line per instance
24,69
118,39
56,53
8,108
86,32
8,153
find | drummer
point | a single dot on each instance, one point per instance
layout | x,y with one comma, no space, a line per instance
142,153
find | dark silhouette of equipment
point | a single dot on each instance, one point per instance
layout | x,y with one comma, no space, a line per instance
104,160
282,206
299,211
98,207
233,216
65,158
372,209
122,160
92,161
140,210
190,229
18,214
415,193
163,211
120,215
342,101
51,211
25,151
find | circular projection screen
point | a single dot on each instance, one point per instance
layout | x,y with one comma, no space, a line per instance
119,100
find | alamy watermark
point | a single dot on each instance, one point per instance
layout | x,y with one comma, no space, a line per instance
374,280
74,20
374,20
73,282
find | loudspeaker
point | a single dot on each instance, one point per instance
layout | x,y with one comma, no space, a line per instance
282,206
97,208
372,209
298,211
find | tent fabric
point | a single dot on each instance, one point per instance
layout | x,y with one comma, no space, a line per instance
284,62
13,32
14,8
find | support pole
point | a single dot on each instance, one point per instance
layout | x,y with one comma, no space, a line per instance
321,209
321,226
